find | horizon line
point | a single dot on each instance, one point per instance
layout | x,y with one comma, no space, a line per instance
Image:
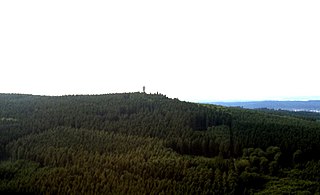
293,98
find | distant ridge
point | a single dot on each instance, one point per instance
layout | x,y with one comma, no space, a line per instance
311,105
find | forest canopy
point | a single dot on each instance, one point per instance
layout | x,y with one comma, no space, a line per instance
138,143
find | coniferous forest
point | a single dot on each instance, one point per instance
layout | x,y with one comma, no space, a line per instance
138,143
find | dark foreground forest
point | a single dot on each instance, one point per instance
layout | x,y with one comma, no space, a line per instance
136,143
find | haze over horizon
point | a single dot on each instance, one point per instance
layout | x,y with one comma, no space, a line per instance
194,51
303,98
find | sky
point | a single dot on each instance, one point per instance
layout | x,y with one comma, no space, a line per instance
190,50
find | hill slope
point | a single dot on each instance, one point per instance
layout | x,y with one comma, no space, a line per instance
135,143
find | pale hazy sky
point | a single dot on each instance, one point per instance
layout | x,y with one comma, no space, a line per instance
192,50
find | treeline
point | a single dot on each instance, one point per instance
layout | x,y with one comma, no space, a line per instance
112,112
137,143
131,113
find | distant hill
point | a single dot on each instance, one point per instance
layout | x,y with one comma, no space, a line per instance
312,105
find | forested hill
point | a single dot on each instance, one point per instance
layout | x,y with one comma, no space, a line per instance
137,143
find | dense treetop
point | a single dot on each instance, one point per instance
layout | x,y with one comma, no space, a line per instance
137,143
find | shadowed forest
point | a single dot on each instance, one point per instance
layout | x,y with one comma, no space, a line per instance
138,143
